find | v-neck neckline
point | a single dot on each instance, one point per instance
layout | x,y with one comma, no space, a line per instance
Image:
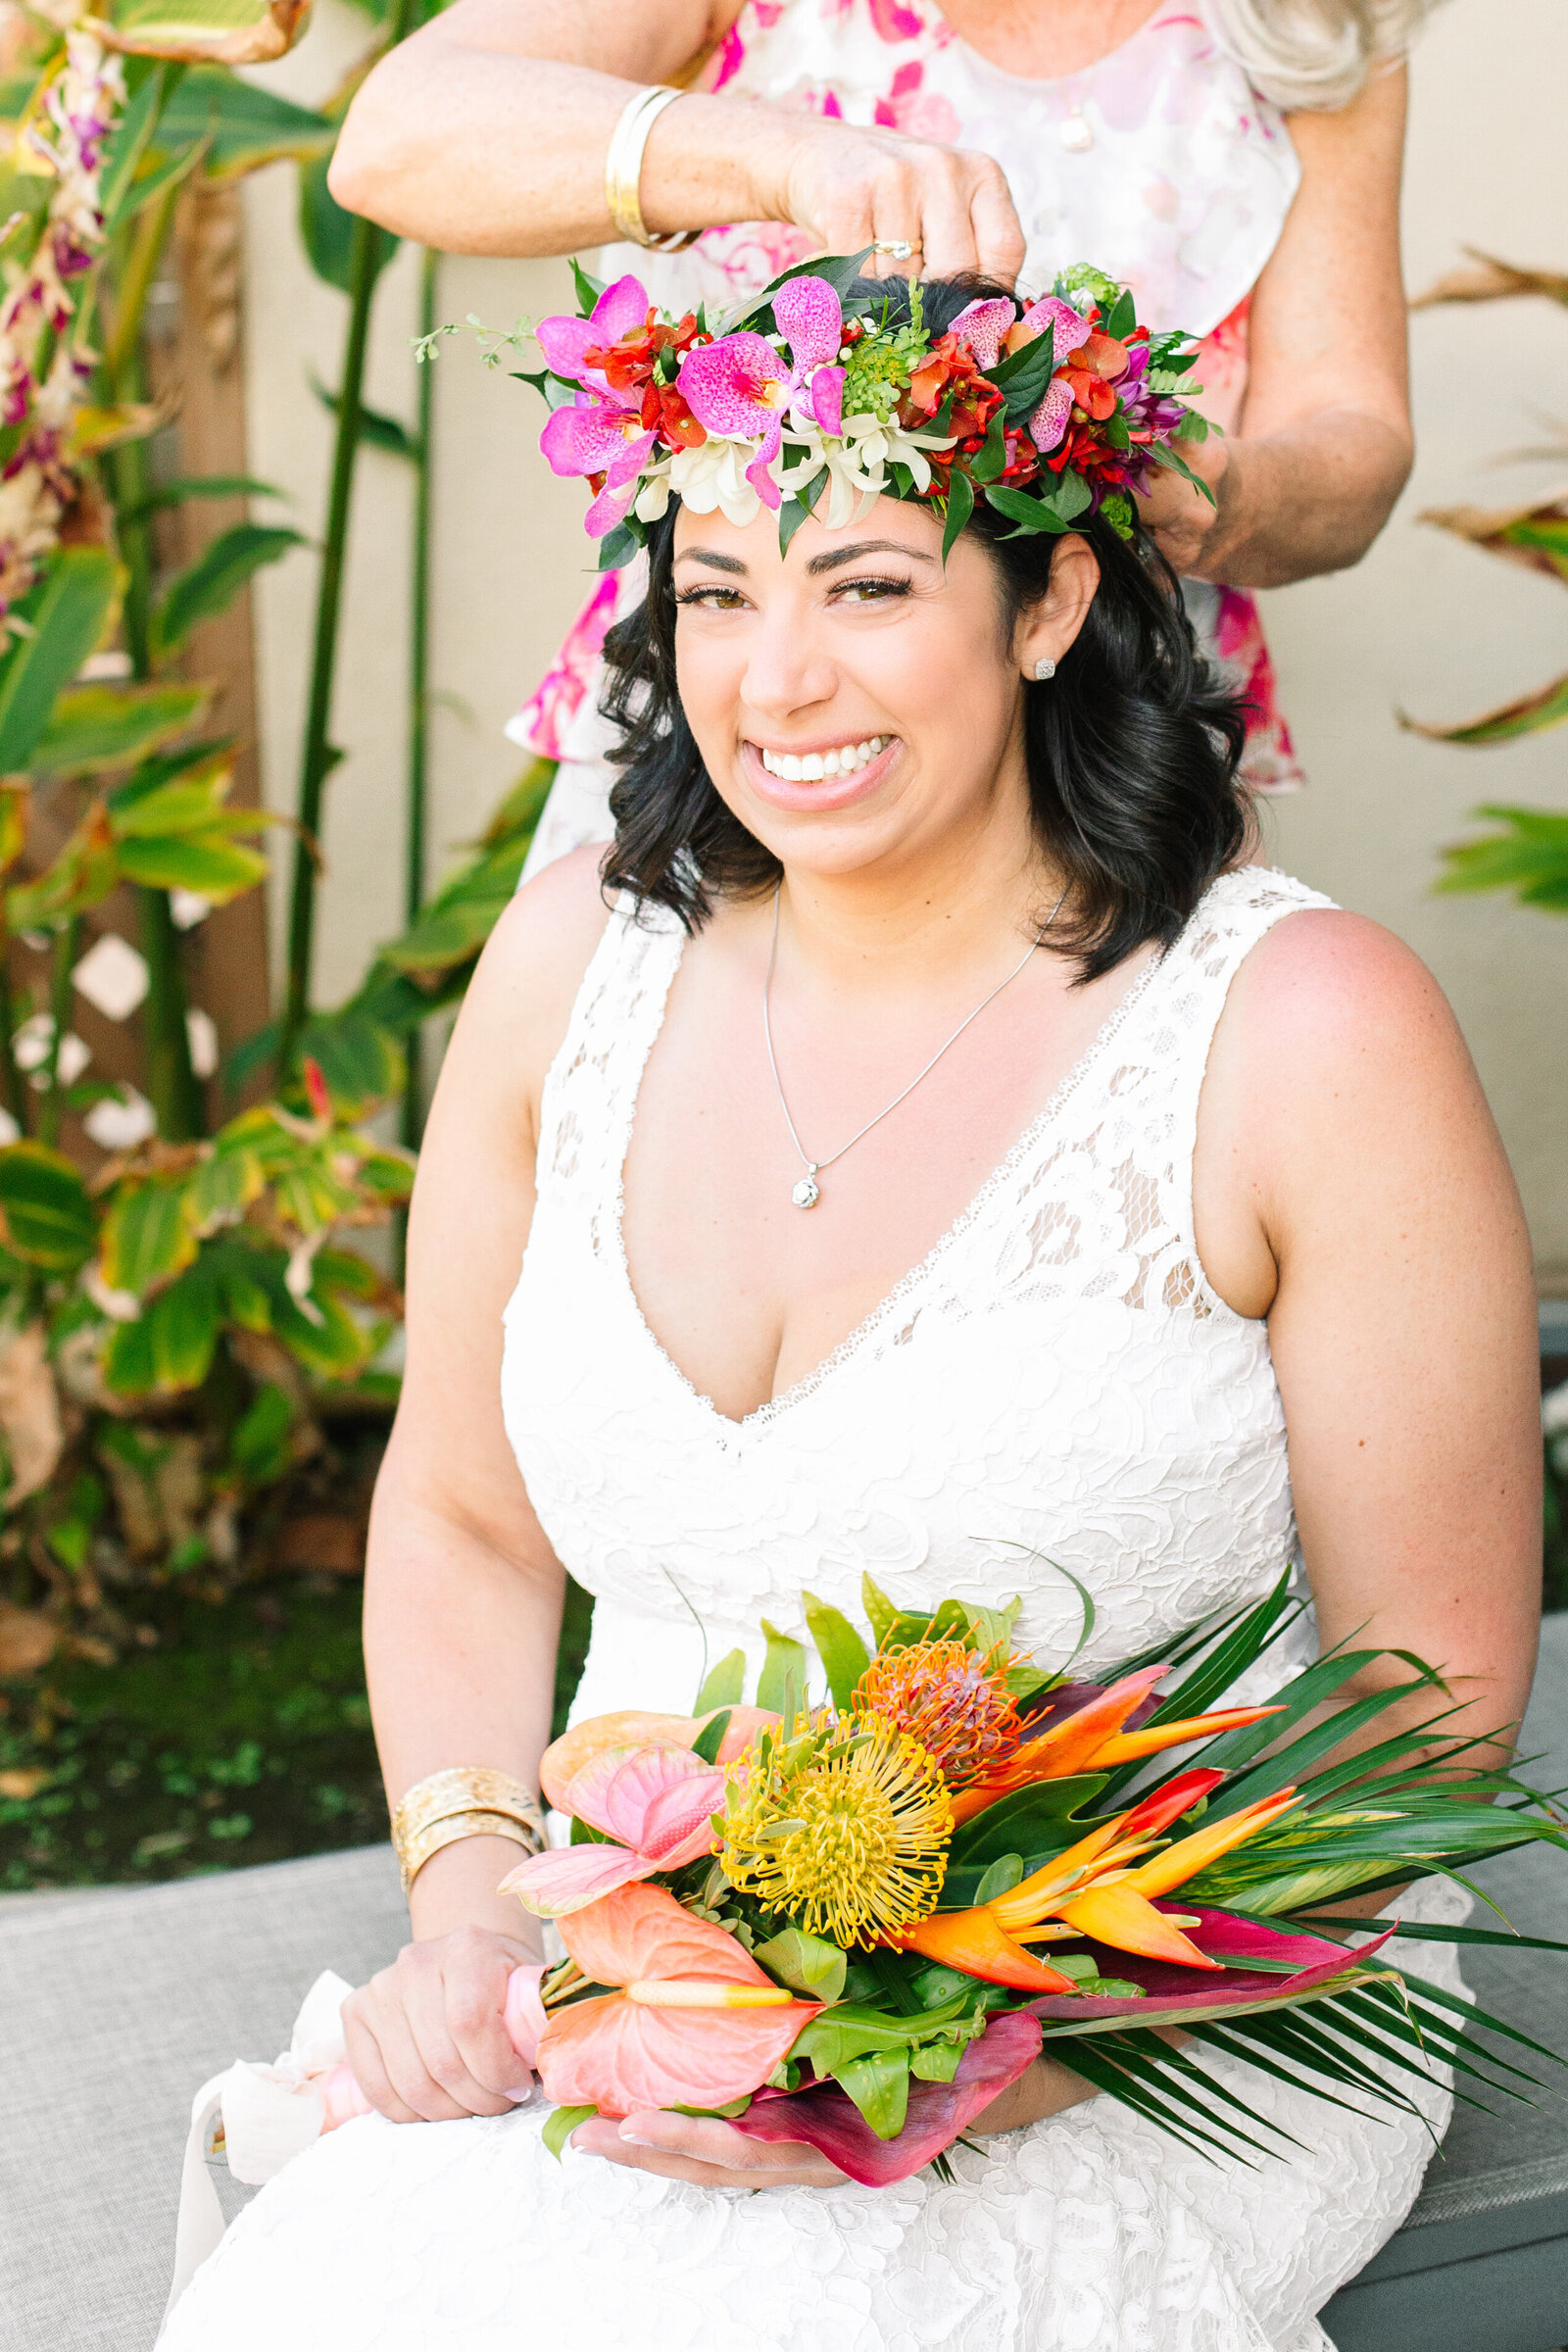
775,1408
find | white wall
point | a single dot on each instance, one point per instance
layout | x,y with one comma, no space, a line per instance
1425,623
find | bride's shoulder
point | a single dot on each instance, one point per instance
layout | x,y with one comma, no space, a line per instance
1332,1016
522,992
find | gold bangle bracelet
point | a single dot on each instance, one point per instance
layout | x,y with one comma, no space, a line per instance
623,170
461,1792
413,1856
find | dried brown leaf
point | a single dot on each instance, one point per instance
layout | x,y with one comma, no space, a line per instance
1491,280
29,1410
1493,528
26,1641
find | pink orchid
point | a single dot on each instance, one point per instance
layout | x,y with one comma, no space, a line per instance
695,2024
984,327
741,386
566,342
1070,330
602,432
657,1803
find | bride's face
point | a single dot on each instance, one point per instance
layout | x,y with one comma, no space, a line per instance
855,698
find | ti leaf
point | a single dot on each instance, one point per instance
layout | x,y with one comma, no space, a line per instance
710,1738
839,1647
724,1682
781,1685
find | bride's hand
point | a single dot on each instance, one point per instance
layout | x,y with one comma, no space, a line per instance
427,2038
706,2150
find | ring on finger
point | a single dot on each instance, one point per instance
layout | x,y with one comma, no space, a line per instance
897,249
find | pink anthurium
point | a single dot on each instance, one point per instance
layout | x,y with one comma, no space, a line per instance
635,1727
741,386
694,2022
657,1803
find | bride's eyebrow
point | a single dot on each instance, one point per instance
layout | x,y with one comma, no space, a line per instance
711,556
832,558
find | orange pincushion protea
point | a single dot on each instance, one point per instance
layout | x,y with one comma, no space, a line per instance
952,1701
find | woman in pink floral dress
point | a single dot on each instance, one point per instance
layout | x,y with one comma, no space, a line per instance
1236,161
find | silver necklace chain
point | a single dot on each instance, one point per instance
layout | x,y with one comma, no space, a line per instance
807,1192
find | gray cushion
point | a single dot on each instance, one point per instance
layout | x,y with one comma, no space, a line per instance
115,2005
1481,2265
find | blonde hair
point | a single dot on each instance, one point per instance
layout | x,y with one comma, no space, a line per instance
1314,53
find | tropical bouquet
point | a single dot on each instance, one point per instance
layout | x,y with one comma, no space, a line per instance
851,1920
819,397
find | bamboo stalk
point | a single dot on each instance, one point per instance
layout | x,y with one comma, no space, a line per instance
420,677
318,755
173,1087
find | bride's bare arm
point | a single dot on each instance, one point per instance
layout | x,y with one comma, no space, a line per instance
1351,1185
462,1591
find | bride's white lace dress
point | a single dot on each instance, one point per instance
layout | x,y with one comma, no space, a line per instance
1056,1382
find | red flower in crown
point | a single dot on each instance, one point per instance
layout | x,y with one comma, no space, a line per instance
631,365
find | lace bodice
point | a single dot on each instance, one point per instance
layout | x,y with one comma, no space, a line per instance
1053,1393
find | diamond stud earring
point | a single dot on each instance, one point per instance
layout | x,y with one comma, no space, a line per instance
1045,667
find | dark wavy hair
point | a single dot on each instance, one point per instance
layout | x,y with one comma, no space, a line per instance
1132,749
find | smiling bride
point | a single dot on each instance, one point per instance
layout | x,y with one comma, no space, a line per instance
928,1150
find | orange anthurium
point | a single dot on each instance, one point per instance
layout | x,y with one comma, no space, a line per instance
695,2023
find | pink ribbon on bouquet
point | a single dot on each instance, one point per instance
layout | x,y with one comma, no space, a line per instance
265,2115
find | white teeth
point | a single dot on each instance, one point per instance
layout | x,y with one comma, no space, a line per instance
810,767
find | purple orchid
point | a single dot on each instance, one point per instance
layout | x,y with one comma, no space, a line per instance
741,385
601,430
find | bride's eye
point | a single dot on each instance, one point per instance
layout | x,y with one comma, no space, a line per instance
712,599
869,591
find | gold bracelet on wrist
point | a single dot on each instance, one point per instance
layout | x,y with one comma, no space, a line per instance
623,170
466,1801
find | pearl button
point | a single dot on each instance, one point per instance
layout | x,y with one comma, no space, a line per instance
1075,134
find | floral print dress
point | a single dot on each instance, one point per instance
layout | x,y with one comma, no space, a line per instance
1161,163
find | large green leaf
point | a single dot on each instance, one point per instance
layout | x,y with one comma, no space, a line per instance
127,143
461,918
210,585
1530,857
244,125
149,1234
361,1063
92,728
212,866
838,1646
45,1215
65,613
182,1326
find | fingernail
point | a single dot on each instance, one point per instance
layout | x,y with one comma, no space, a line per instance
634,2139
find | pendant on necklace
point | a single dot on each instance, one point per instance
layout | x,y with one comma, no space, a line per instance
807,1193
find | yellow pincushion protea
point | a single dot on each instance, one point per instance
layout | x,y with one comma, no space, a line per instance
845,1825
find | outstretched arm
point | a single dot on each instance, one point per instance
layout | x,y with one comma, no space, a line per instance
487,132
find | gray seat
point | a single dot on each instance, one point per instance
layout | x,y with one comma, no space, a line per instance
115,2005
1481,2264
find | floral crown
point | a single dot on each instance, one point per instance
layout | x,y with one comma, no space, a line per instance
1050,411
